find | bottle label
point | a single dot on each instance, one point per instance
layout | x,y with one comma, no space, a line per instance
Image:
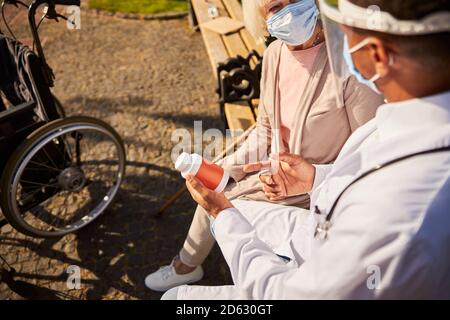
210,174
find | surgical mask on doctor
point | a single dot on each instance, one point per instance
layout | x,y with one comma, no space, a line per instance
295,23
352,68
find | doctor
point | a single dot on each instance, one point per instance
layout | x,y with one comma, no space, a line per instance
379,227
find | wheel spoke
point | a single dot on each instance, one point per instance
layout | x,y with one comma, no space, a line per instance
36,169
60,210
62,153
40,184
45,166
32,192
67,142
49,158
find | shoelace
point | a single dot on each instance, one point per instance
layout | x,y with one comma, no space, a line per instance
167,272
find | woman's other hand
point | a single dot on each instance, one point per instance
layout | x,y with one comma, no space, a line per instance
293,176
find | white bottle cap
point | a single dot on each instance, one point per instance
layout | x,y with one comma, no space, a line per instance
183,162
188,164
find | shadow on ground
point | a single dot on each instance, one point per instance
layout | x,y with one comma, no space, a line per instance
145,86
121,248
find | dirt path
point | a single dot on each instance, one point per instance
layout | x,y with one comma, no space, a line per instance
145,79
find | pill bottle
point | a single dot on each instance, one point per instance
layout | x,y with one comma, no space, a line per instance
213,177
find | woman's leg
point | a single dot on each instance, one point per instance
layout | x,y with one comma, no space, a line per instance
199,241
186,267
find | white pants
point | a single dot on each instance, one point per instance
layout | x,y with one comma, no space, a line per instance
286,230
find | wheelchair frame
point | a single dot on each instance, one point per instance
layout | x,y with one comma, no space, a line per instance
26,117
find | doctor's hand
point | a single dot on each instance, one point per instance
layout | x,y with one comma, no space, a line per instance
293,176
209,200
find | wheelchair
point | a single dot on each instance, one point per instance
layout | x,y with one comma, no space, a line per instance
58,173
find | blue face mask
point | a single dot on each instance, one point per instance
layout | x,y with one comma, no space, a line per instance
351,66
295,23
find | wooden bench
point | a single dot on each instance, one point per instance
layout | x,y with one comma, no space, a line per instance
236,60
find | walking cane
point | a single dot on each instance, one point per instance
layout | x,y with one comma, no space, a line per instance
183,189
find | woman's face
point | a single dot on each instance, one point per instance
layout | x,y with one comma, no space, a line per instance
270,7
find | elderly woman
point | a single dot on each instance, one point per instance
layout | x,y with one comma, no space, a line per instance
298,109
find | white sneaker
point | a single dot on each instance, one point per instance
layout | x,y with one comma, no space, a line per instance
167,278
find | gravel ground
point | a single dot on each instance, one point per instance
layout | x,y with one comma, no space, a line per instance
145,79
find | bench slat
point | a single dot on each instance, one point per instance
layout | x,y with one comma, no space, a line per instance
234,8
239,116
233,42
214,45
234,45
220,47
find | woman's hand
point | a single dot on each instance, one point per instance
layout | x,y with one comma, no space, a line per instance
293,176
209,200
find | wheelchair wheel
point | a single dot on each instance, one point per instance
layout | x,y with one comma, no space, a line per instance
62,177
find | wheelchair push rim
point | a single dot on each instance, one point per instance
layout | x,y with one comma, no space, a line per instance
57,184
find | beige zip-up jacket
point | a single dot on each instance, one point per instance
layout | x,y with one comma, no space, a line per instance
321,126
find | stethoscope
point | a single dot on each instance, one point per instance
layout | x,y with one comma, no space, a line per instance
322,228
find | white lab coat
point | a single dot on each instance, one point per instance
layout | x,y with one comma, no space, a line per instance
390,233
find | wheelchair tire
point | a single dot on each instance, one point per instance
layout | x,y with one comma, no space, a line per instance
17,164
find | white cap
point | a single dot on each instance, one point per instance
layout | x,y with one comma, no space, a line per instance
184,162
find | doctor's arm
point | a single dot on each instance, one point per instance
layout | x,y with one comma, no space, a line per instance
344,267
356,262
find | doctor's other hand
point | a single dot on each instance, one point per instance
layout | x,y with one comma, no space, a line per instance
209,200
294,176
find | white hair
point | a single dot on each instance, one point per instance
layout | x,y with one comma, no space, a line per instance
253,19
